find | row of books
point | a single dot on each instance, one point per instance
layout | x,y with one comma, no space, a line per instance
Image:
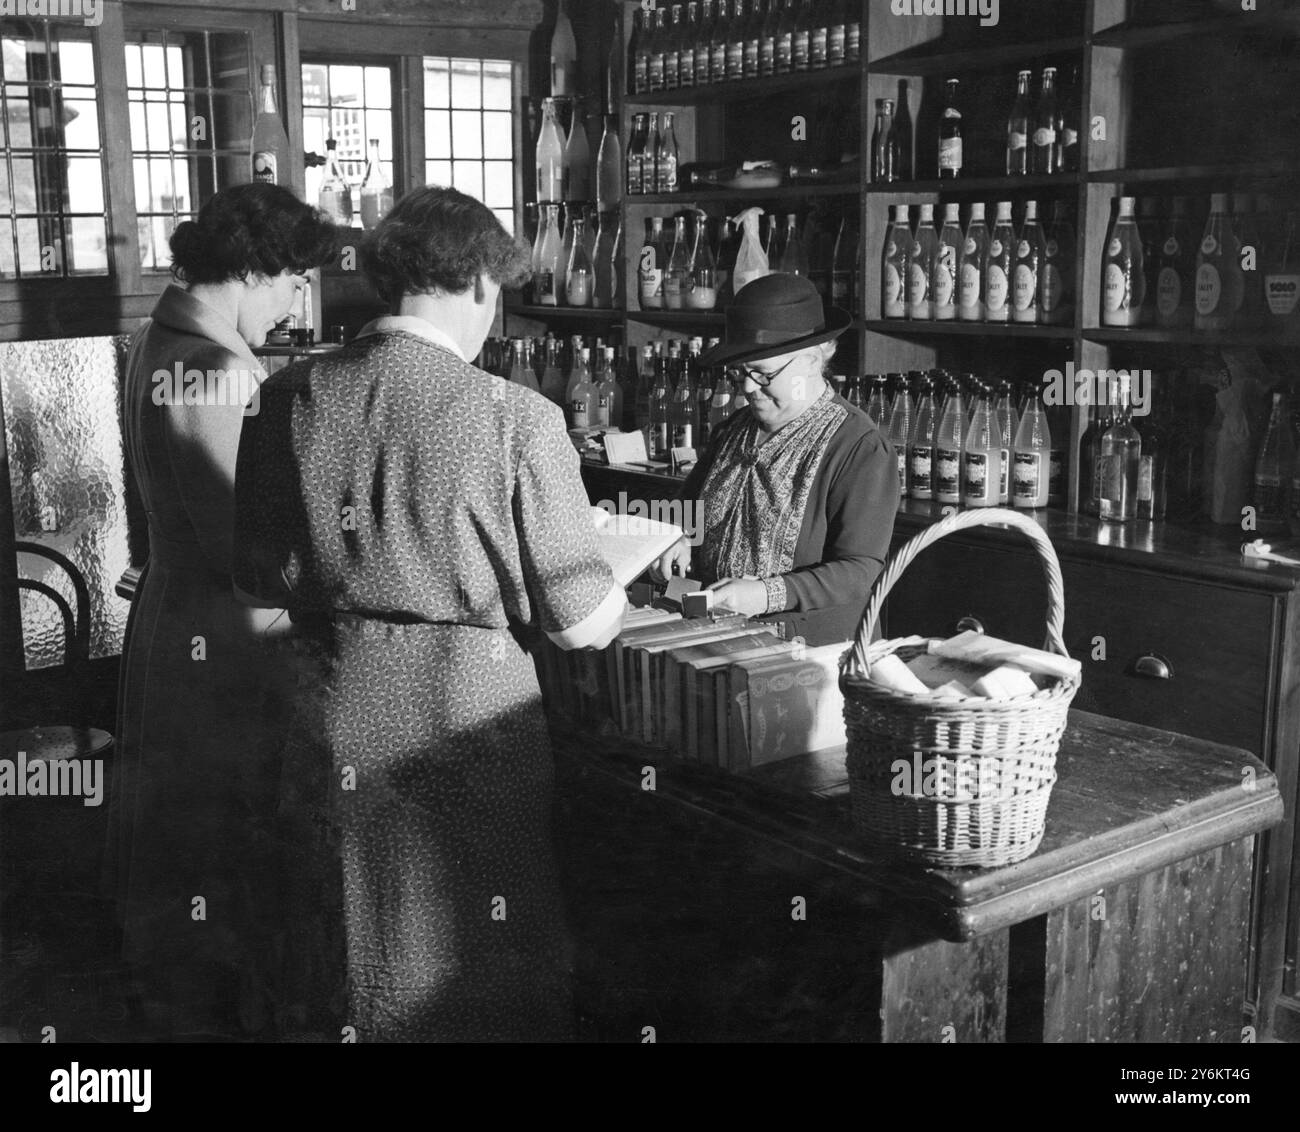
720,690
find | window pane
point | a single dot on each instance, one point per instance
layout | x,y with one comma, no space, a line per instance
467,176
436,83
315,87
139,131
24,186
346,86
437,133
161,228
88,251
466,90
437,172
5,200
498,136
180,133
143,196
6,249
15,60
155,69
76,60
498,184
85,185
176,77
20,117
379,88
134,67
379,124
181,170
159,126
507,219
38,248
466,139
81,116
496,85
160,176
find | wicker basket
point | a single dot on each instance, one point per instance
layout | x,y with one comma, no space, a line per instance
952,782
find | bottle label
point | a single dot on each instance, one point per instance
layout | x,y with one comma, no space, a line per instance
970,245
767,56
835,45
1051,290
947,474
682,436
1171,246
579,409
264,167
701,74
1115,288
995,248
969,293
545,286
1209,289
1114,247
1209,245
900,454
1044,137
893,291
717,62
1282,292
918,284
735,60
950,154
1022,249
922,472
660,435
1027,477
1268,497
945,271
799,50
1025,293
1051,248
1069,136
656,72
785,51
996,291
666,175
979,486
1169,291
751,56
671,63
641,74
1017,140
1110,478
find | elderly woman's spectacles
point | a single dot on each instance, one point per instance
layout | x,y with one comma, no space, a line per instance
737,374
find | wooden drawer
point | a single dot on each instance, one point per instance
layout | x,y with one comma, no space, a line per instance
1216,641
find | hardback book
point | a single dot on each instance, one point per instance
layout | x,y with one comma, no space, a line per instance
642,617
694,669
647,672
629,543
618,653
786,707
676,663
715,702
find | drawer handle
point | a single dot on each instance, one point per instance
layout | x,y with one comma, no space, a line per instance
1153,667
970,624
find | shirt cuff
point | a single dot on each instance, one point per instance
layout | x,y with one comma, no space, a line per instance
776,595
591,627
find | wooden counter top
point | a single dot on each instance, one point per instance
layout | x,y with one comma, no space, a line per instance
1128,800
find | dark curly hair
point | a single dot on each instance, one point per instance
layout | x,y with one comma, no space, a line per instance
259,229
439,239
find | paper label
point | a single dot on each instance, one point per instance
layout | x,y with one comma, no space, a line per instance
970,285
950,154
1169,291
264,167
1209,289
1026,287
1116,288
1028,476
996,295
1282,292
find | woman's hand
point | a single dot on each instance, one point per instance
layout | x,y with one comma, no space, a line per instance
679,554
743,595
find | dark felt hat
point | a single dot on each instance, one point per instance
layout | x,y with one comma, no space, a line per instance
776,314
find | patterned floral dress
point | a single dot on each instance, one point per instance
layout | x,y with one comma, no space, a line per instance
420,519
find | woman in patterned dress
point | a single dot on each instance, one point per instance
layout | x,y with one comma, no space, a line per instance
422,520
798,490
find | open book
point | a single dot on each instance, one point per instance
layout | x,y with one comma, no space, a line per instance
629,543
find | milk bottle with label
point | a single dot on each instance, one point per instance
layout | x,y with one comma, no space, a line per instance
1122,286
946,258
920,278
997,270
970,273
895,265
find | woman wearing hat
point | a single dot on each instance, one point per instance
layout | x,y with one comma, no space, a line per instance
798,490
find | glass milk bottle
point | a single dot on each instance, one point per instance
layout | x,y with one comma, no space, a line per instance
1029,259
1122,278
949,449
575,170
1032,453
376,192
921,273
901,417
997,269
580,276
703,292
677,276
982,458
946,259
1120,458
970,272
549,270
920,471
895,265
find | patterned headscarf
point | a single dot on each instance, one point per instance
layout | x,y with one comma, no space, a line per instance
755,496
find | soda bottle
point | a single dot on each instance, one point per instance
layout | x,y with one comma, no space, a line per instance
1122,272
1176,273
1032,454
920,471
950,449
946,259
1030,249
1218,270
982,458
997,269
895,265
925,247
1018,128
901,417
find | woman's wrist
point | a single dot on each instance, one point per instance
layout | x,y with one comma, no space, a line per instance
776,593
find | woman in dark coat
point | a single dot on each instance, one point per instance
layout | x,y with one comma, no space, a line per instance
798,490
203,686
421,519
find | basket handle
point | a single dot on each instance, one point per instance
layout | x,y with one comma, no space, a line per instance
960,521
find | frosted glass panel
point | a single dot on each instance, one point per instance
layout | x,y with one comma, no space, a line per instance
68,480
